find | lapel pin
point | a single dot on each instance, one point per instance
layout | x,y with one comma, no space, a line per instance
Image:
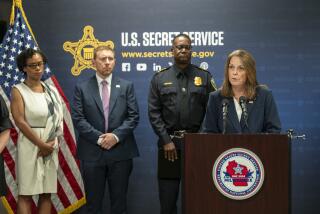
117,86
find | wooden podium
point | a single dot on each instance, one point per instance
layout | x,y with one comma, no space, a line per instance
200,195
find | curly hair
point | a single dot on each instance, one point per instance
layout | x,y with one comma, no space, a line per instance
27,54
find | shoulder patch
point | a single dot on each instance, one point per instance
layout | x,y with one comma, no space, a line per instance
213,84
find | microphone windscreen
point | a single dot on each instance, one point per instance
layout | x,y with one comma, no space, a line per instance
225,102
242,99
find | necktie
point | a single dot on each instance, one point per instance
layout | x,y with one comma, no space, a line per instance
105,102
184,102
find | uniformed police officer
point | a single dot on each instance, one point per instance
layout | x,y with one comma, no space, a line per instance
177,103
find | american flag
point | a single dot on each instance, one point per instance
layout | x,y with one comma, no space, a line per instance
70,194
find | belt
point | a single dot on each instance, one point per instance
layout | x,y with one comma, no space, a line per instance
178,134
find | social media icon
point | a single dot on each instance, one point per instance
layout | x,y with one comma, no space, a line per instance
141,67
204,65
126,67
156,67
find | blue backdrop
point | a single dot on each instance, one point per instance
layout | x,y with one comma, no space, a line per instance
283,36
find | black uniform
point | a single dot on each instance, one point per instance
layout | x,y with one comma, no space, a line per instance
177,101
4,124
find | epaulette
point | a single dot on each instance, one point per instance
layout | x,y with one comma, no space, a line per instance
200,68
164,69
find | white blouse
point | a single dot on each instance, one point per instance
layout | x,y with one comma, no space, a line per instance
238,108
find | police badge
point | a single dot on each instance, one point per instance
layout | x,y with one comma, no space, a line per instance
197,81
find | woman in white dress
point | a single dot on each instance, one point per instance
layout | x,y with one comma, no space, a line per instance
37,111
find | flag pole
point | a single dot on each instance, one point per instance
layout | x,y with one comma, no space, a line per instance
18,4
73,183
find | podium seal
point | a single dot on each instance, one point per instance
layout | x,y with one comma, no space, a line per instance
238,173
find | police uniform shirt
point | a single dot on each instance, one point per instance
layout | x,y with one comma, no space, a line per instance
178,100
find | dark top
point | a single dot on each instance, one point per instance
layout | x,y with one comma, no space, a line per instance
263,115
88,117
178,99
4,116
4,124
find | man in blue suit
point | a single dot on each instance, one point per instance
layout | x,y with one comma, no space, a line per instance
105,113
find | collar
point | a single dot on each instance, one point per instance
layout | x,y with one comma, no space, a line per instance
108,79
186,71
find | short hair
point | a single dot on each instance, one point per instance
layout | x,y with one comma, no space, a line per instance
26,54
103,47
250,68
181,35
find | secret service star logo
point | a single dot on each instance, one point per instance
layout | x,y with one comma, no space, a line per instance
82,50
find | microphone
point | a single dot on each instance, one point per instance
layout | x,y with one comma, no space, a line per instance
225,104
243,104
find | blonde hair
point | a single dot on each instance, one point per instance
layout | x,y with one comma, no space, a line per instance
103,47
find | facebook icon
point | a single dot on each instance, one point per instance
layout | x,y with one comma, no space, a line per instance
126,67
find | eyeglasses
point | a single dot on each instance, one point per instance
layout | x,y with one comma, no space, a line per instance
180,47
35,65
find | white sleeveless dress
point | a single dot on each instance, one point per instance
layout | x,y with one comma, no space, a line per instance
35,175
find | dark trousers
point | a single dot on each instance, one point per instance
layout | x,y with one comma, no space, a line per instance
168,194
3,186
116,173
